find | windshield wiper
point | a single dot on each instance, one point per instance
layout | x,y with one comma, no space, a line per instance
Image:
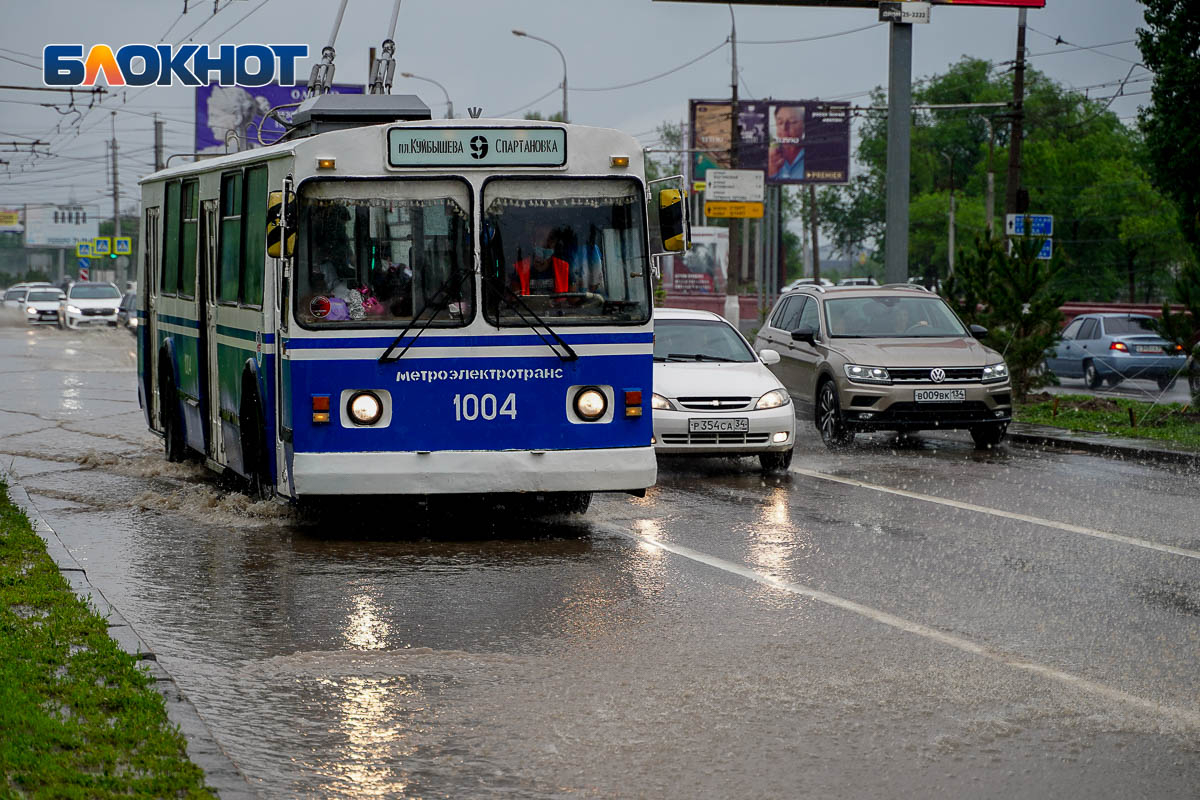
695,357
501,291
437,303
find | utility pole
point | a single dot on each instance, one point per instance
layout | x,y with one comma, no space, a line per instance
990,197
116,194
951,242
1013,189
732,307
898,151
158,143
812,222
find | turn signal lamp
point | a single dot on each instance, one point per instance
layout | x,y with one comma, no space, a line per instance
1119,346
326,163
618,161
633,402
320,408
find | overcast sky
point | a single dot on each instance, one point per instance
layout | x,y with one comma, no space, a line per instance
467,45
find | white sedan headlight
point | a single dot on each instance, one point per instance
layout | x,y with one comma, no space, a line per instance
773,399
661,403
31,310
995,372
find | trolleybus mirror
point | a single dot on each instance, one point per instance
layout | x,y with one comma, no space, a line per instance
278,221
671,221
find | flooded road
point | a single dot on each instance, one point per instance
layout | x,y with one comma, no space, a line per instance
908,618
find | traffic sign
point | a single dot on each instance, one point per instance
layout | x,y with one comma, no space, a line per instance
733,210
83,268
1040,224
101,246
123,245
1045,253
83,248
734,185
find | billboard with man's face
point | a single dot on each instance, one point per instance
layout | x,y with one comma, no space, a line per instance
792,141
228,118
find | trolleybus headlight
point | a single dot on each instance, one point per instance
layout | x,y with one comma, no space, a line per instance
590,404
364,408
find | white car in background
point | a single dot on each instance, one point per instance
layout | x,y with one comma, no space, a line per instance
41,305
14,296
87,304
713,395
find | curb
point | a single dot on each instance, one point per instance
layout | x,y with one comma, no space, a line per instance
1139,449
220,773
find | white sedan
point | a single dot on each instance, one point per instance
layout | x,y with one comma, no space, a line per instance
713,395
41,305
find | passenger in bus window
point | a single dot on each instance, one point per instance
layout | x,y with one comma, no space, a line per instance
537,269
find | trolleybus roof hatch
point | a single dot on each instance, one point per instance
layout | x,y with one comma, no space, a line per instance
335,112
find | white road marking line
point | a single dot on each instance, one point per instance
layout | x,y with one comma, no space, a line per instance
995,512
1182,715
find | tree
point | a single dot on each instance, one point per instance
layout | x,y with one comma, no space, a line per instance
1011,295
661,165
1169,45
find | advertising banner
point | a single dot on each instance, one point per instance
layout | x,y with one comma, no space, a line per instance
10,220
229,117
792,141
60,226
702,269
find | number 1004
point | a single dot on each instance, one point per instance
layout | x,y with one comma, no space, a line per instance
472,407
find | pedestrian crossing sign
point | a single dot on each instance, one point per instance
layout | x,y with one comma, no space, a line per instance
123,245
83,249
101,246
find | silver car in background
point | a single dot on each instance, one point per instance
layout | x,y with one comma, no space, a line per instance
1116,347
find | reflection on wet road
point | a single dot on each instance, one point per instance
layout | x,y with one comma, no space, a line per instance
905,618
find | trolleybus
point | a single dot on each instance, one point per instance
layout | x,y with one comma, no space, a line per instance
387,304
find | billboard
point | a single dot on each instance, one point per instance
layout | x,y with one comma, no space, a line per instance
867,3
234,114
792,141
60,226
10,220
702,269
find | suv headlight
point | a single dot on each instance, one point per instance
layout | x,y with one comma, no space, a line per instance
773,399
995,373
73,310
860,374
661,403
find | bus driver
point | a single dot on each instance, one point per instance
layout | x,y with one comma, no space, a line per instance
540,272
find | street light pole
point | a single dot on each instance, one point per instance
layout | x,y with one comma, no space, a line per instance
449,103
565,118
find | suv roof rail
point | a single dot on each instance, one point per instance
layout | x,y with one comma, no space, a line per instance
918,287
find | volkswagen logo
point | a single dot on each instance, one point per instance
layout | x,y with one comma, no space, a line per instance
937,375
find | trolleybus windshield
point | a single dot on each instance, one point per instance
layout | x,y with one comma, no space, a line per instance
376,252
572,250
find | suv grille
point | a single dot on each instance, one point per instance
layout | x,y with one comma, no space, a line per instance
98,312
713,403
921,374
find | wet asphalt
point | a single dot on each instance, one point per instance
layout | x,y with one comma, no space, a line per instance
907,618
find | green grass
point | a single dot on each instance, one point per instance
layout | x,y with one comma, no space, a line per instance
1169,422
78,719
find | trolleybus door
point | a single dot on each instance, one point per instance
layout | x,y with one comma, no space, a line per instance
149,286
207,350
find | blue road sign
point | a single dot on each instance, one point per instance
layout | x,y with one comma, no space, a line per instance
1047,251
1041,224
84,263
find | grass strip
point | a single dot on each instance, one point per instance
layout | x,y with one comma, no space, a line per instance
1168,422
78,719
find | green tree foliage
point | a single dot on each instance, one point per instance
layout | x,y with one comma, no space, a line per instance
1074,148
1012,295
661,165
1170,44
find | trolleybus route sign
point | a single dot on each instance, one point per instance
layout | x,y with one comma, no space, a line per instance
476,147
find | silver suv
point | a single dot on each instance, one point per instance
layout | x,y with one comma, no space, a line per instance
896,358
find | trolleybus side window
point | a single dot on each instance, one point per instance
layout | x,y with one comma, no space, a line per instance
571,250
243,236
381,252
187,257
170,261
231,237
254,236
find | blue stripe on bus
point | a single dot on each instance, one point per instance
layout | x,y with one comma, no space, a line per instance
242,333
471,341
181,321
